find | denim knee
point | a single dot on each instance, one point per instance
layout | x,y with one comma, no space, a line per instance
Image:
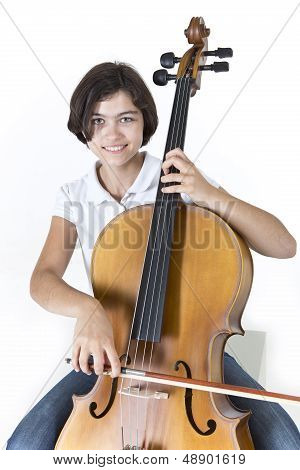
270,425
40,428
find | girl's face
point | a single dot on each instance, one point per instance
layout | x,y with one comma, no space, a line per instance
116,123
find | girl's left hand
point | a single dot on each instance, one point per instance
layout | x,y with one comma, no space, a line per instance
192,182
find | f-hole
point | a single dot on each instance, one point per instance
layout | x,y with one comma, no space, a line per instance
212,425
113,392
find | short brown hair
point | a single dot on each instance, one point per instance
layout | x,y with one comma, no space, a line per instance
100,83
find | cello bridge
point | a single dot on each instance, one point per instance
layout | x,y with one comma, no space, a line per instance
138,393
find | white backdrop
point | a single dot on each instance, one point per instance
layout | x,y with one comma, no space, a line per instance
247,119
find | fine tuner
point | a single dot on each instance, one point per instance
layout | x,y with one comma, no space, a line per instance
168,61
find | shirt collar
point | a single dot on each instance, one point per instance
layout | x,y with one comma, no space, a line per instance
147,175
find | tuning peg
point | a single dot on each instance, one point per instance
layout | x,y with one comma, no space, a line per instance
161,77
168,60
216,67
221,52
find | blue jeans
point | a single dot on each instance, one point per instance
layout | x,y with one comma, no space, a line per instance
270,426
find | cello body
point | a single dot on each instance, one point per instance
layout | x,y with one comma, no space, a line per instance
209,281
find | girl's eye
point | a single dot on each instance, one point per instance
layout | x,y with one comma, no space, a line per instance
94,121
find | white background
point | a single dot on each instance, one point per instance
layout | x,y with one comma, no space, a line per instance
46,48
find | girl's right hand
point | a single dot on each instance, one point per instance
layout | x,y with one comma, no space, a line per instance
93,334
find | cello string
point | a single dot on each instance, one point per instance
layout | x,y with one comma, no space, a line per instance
178,109
159,256
178,139
172,195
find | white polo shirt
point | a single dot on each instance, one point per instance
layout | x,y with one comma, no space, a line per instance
86,203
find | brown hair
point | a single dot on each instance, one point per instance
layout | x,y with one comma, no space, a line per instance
100,83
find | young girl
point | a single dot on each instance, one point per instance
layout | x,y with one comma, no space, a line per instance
113,113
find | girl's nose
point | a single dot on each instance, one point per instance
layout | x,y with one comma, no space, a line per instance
112,131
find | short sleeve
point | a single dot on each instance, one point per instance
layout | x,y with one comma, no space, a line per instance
186,198
63,204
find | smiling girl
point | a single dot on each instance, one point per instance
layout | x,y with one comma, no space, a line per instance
114,115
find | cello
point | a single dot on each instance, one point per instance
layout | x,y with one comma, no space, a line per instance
164,263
